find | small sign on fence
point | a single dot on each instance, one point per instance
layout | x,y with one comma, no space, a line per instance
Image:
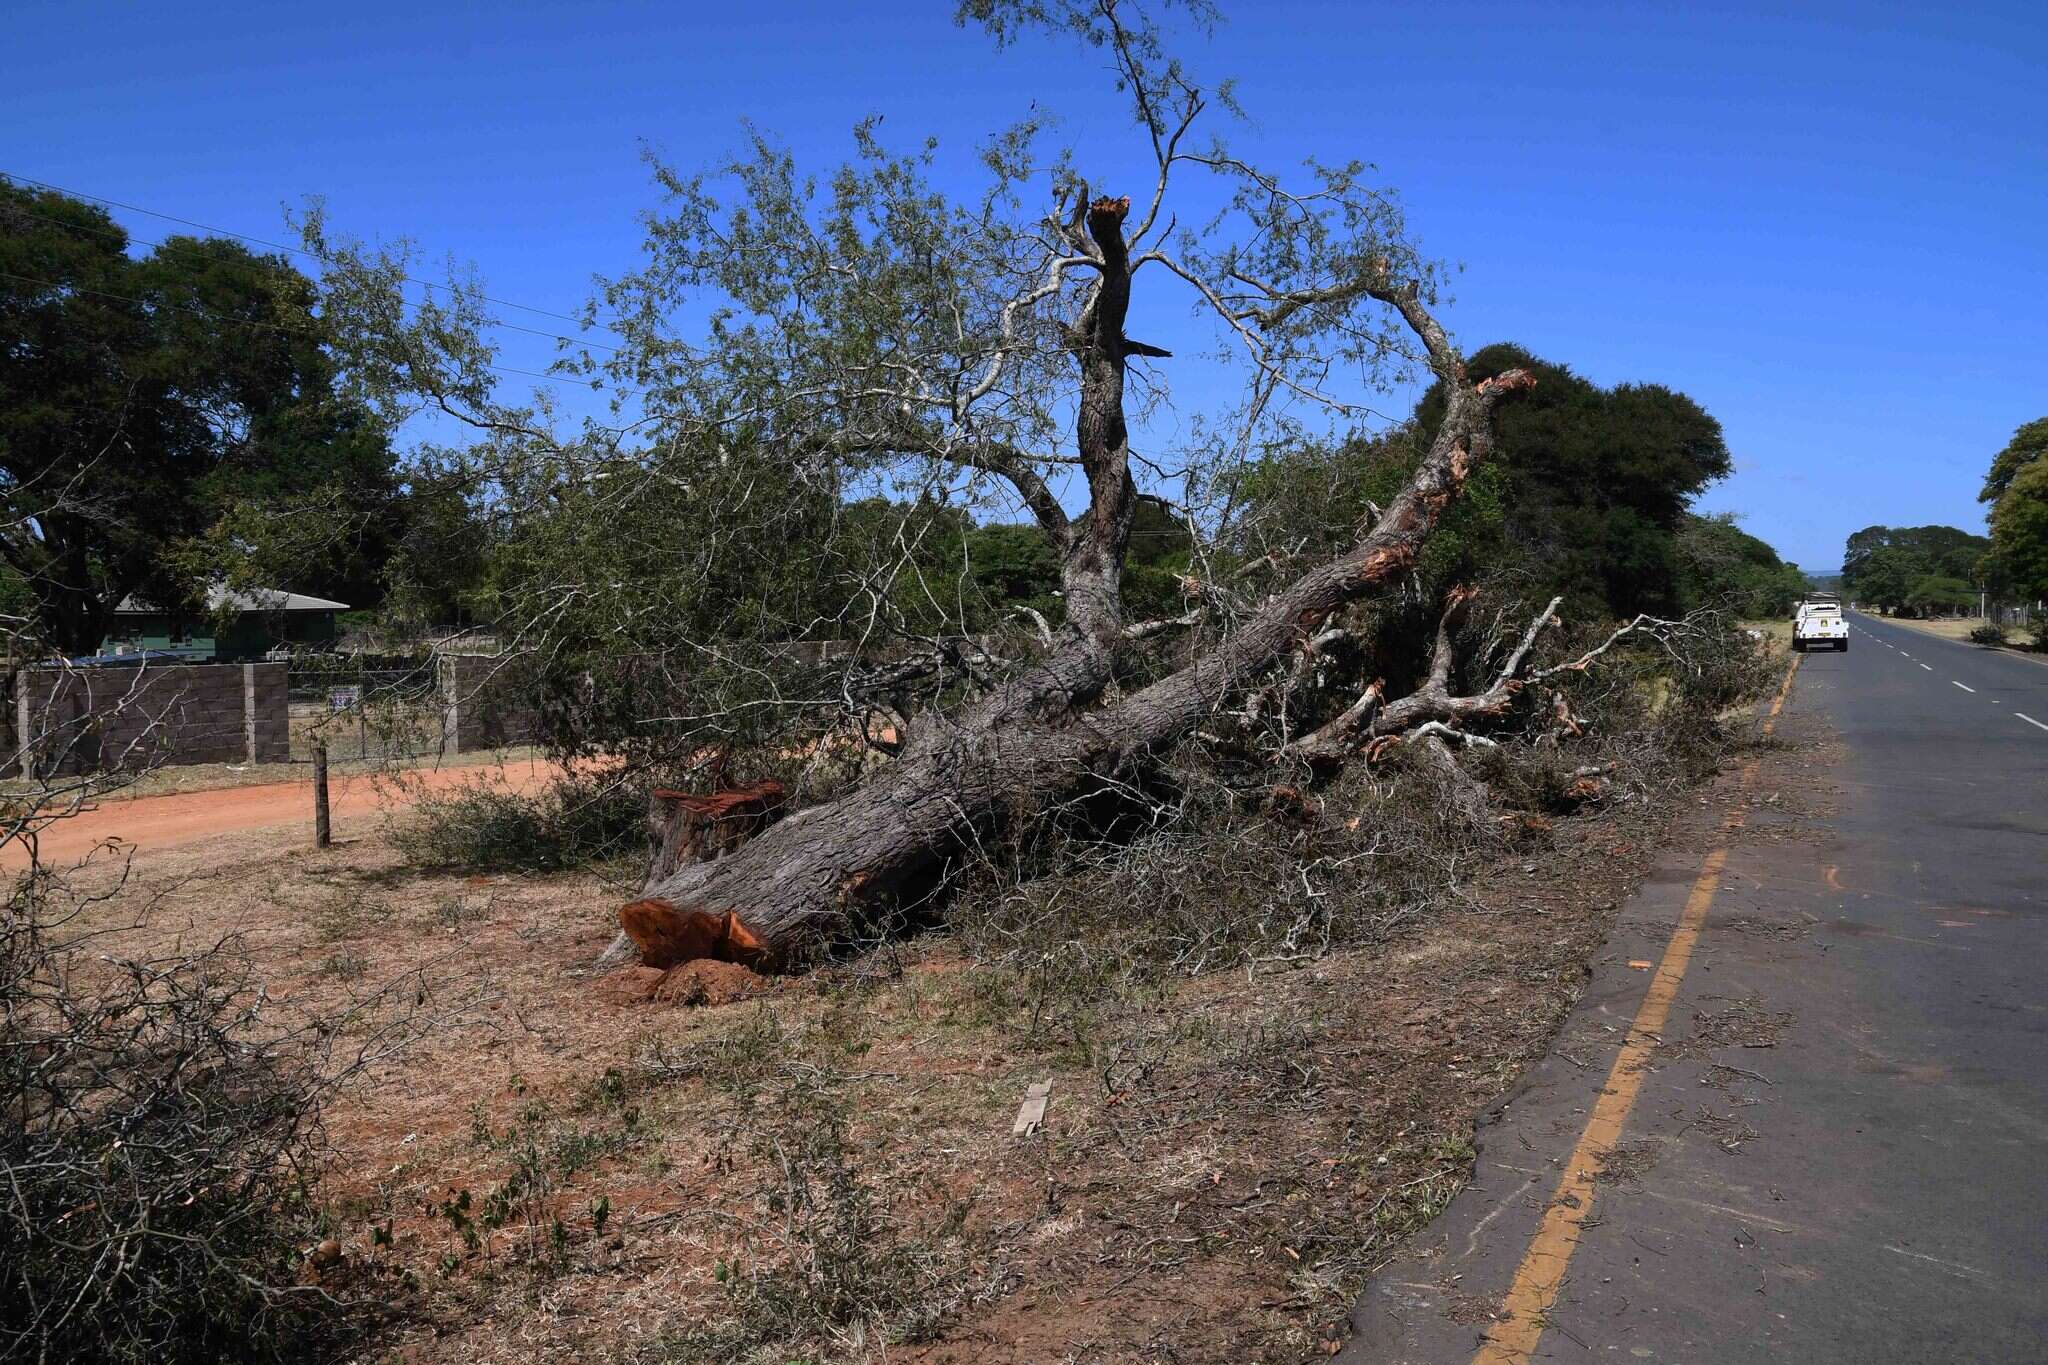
341,699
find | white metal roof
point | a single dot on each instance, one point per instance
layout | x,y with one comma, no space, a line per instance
219,597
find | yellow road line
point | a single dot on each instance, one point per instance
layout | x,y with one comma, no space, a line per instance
1784,691
1526,1309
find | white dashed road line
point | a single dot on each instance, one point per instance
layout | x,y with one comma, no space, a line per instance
1965,686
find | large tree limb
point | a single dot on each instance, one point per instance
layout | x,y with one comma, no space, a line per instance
1430,704
804,880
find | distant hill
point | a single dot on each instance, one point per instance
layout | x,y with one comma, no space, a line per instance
1826,582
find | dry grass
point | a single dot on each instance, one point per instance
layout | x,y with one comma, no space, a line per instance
1957,628
1778,632
1269,1017
827,1171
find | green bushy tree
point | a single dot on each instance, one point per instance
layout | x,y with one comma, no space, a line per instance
143,400
1596,482
1723,565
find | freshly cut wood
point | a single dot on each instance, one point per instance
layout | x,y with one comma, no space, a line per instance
668,936
686,827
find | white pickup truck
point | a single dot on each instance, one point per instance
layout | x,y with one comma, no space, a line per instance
1818,624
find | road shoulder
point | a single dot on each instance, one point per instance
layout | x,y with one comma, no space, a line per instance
1480,1283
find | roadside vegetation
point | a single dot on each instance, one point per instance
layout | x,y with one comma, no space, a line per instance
1268,1024
1262,791
1935,573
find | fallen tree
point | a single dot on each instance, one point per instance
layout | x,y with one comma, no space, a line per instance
879,359
1036,735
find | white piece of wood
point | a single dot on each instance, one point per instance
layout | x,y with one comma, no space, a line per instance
1031,1113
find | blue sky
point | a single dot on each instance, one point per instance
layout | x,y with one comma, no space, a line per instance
1827,222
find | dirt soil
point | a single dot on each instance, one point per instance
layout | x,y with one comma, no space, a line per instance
617,1168
183,816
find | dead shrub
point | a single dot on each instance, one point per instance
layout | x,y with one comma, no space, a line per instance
1214,859
160,1140
828,1253
1070,925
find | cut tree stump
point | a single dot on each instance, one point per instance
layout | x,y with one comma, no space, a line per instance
688,828
668,936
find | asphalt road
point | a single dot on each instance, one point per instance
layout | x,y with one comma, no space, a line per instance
1832,1143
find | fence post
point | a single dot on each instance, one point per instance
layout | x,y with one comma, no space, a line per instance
322,831
451,703
23,710
249,709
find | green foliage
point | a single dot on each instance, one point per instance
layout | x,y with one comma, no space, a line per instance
1313,500
2028,444
1936,594
1883,565
144,400
1585,495
1724,566
1162,550
1595,481
2019,529
440,561
838,389
1013,566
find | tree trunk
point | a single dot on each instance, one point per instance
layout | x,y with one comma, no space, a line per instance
806,880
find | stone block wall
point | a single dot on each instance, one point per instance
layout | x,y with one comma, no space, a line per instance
487,701
89,719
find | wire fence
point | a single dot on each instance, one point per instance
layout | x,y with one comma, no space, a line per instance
368,709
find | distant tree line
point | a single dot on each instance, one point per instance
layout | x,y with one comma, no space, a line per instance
1935,570
1920,570
197,414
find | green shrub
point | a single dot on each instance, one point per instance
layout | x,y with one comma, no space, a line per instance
485,826
1990,633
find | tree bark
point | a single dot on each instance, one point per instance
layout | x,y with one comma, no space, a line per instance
1034,737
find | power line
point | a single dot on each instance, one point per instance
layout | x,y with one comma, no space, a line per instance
246,322
124,235
275,246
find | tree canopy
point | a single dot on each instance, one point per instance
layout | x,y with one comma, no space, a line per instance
1723,565
144,400
2019,529
1883,565
2016,486
1586,496
1596,482
2028,444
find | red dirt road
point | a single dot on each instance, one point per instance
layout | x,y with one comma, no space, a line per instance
150,822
